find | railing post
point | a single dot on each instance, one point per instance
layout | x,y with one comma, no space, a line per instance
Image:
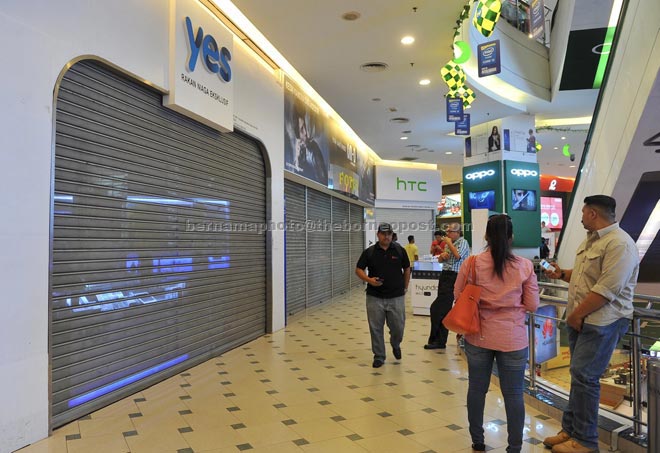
636,344
532,351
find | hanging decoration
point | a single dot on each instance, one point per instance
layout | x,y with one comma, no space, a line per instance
464,92
462,52
538,147
453,75
486,16
567,150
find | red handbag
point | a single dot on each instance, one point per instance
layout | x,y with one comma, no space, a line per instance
464,317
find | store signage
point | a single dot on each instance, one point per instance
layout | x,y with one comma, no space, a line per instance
523,172
401,183
216,60
201,85
480,174
454,109
557,183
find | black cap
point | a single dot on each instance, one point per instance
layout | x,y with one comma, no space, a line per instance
385,228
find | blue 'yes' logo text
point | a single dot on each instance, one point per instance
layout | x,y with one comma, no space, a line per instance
216,60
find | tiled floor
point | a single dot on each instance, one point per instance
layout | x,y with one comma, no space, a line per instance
307,388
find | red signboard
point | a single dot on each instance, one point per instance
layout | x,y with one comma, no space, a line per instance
557,183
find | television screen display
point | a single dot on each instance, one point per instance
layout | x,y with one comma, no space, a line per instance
450,206
484,199
551,212
523,200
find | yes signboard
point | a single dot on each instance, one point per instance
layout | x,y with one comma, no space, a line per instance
200,67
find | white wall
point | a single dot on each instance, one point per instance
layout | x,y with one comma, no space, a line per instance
37,40
635,66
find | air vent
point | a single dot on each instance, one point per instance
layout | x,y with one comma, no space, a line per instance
409,159
400,120
374,66
376,99
406,132
412,146
351,15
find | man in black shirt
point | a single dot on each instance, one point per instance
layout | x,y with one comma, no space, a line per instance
387,283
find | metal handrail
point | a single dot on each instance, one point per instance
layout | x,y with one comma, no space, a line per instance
639,314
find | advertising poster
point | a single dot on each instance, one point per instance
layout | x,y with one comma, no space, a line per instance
551,212
488,58
305,141
450,206
366,167
454,109
463,127
468,147
545,342
344,177
536,17
506,134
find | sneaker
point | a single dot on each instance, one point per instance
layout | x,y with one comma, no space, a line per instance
478,448
572,446
560,437
377,363
434,346
397,353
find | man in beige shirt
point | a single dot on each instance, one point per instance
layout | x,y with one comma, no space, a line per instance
600,293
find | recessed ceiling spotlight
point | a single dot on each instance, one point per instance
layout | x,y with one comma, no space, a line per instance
571,166
556,147
563,138
407,40
448,152
406,132
399,120
404,138
351,15
424,82
374,66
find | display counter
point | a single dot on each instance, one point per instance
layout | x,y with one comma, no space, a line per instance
424,284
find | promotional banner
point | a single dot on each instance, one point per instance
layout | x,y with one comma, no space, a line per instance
344,175
545,343
454,109
463,127
551,212
200,70
488,58
305,143
536,17
400,183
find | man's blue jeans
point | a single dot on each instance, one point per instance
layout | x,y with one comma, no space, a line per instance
379,311
511,370
591,351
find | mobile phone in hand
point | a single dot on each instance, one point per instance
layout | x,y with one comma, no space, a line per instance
547,266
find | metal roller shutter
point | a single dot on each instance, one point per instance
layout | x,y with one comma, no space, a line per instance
340,247
357,240
158,261
319,243
296,247
418,222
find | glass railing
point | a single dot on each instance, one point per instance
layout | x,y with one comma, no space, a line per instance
531,18
623,386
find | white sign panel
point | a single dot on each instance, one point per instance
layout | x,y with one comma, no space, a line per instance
397,183
200,68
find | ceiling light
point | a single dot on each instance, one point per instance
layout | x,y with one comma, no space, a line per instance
556,147
563,138
351,15
404,138
448,152
407,40
424,82
571,166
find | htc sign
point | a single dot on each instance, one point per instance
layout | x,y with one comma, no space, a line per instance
408,184
200,66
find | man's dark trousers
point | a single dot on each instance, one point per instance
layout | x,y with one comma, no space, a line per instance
440,307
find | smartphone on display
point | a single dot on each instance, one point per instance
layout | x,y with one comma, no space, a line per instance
547,266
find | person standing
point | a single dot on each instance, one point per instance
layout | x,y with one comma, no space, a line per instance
456,251
412,250
494,141
600,294
438,245
387,283
508,290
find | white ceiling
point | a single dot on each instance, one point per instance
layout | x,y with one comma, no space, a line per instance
328,51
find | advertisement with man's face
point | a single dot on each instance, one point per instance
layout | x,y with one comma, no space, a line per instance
305,142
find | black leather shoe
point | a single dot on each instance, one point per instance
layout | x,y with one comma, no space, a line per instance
377,363
397,353
434,346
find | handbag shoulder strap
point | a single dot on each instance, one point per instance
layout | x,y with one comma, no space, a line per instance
472,271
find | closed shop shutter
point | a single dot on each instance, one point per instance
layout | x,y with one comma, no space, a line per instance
418,222
296,247
357,240
341,275
158,250
319,251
